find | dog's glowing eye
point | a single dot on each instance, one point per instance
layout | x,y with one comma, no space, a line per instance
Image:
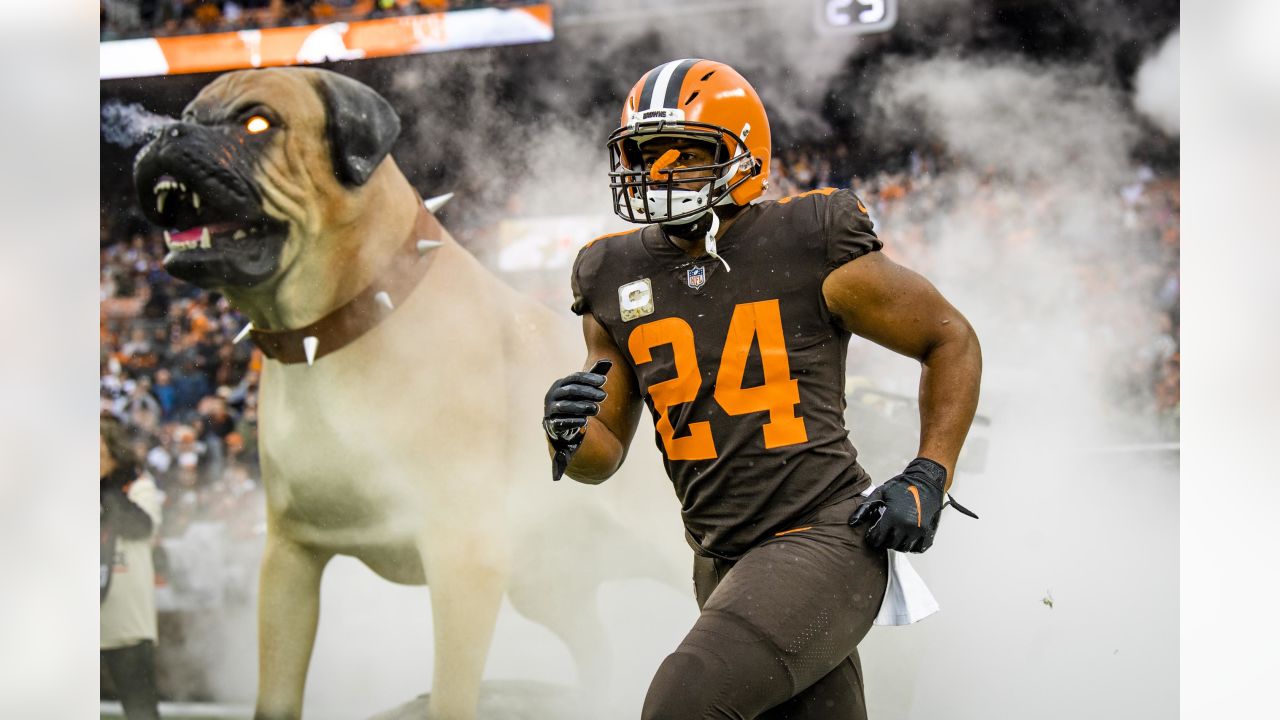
257,124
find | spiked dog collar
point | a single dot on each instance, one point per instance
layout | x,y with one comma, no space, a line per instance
363,312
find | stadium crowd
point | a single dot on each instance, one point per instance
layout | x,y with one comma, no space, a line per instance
121,19
186,393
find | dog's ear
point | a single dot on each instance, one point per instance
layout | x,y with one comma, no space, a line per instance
361,126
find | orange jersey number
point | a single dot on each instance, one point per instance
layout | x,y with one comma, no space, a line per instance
683,388
780,394
760,322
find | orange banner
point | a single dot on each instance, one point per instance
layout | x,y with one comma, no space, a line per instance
434,32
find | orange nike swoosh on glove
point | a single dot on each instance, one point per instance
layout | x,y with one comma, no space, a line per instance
916,494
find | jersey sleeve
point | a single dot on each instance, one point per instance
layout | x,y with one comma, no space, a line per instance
849,230
580,306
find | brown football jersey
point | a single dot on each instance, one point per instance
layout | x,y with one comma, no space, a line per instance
742,370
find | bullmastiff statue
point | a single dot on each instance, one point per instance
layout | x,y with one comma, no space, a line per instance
401,393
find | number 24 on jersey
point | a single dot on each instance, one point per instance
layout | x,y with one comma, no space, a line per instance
779,395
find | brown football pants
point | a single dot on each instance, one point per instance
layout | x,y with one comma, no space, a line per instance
779,629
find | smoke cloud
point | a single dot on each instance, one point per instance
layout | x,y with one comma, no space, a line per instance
1026,232
749,36
1050,123
1156,95
129,125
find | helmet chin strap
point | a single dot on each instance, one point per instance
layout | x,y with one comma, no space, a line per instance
687,229
711,239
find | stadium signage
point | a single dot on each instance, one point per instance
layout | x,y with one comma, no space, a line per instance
307,44
855,17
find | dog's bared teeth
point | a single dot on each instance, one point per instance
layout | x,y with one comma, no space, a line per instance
240,235
195,200
168,240
160,200
204,238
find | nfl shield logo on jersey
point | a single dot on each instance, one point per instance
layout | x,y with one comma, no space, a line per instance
697,277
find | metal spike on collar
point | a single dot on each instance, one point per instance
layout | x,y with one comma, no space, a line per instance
309,345
384,300
241,335
437,202
425,245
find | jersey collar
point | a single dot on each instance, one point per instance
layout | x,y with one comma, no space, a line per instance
660,247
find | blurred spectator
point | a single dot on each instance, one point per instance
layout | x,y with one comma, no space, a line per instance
208,16
247,431
218,423
165,393
159,458
140,357
189,386
129,517
383,8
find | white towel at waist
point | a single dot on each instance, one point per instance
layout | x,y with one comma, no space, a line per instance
906,598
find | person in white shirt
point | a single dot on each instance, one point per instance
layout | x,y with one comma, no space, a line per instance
130,516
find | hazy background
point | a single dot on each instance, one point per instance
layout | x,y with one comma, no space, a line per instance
1106,553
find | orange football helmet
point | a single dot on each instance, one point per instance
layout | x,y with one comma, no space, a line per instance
701,100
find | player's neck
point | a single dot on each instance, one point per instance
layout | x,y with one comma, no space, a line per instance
694,244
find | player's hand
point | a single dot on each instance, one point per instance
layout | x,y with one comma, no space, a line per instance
568,404
904,511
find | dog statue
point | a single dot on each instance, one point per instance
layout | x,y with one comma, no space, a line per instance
400,398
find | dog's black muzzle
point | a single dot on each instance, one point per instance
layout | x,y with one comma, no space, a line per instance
197,183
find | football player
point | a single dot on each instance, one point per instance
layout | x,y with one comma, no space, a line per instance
730,319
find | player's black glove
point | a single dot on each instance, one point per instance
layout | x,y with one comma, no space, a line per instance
906,508
568,404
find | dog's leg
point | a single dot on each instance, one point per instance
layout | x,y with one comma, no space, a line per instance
566,606
466,568
288,610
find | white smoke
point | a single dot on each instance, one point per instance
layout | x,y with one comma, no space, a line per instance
1026,233
1030,215
1029,122
128,125
773,43
1156,86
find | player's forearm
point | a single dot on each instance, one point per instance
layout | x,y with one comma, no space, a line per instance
949,382
599,457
